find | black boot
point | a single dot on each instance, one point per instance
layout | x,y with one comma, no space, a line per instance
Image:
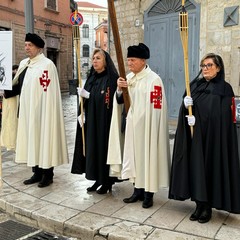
47,178
138,194
206,214
106,185
94,187
104,189
36,177
148,200
199,208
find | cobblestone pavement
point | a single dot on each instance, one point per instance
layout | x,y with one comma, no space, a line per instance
66,209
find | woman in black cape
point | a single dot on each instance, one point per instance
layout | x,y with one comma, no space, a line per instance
101,85
205,167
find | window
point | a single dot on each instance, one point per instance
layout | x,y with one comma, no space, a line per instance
85,50
85,30
52,4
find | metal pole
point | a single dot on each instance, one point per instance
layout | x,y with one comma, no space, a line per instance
29,20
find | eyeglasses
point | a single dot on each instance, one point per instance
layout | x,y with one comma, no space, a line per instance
207,66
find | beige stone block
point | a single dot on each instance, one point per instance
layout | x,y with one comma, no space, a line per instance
83,201
16,175
180,206
233,220
2,205
229,233
126,230
166,218
209,230
107,206
26,220
3,217
34,190
57,197
227,48
216,38
99,238
6,189
213,5
236,34
86,225
22,204
8,159
227,35
52,217
134,212
71,182
216,16
160,234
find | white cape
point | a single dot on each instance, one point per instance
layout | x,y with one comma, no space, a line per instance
41,136
145,157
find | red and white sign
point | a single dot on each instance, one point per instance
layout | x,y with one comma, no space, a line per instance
76,18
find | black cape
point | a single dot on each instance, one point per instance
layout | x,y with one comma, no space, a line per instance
98,113
206,167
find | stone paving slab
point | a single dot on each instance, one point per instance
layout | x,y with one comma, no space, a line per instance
66,208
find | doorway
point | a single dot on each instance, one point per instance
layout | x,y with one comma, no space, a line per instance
161,32
53,55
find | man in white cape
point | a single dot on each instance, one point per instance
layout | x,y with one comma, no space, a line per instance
144,155
41,139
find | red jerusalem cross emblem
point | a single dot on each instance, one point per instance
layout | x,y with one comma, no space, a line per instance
44,81
156,97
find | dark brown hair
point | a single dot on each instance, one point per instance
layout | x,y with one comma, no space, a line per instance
217,60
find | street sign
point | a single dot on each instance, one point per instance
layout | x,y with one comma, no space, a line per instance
76,18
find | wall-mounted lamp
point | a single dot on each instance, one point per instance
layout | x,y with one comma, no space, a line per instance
48,26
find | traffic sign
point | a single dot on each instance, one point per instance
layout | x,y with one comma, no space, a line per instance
76,18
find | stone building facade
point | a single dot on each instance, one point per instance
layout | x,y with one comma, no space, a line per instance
102,35
52,23
218,24
93,15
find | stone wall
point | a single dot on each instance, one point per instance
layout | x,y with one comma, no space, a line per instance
225,41
214,37
128,11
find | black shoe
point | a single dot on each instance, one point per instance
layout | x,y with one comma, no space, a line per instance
138,194
93,187
104,189
148,200
45,182
133,198
147,203
205,216
34,179
195,216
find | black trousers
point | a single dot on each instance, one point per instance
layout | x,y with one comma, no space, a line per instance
141,192
40,172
